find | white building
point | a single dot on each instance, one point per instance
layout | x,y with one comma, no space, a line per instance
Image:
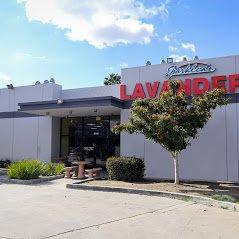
44,121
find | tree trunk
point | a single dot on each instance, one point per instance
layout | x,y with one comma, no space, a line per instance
176,169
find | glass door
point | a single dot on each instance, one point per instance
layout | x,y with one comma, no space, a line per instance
95,140
90,138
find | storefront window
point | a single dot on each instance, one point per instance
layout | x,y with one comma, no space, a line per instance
114,146
65,136
90,138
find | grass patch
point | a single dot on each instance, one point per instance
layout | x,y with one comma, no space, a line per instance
32,169
223,197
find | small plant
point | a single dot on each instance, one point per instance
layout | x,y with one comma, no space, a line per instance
51,169
125,168
25,169
223,197
4,163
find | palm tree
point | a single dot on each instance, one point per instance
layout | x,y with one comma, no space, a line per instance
112,79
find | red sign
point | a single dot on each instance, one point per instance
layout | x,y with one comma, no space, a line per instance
196,86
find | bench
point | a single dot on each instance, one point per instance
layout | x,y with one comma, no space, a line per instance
94,172
69,170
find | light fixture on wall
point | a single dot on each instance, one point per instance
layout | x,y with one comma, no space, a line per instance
10,86
59,101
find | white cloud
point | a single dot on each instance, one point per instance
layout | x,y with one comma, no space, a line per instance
23,56
170,37
166,38
172,48
101,23
178,58
189,46
4,78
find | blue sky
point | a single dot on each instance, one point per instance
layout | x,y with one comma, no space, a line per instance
78,42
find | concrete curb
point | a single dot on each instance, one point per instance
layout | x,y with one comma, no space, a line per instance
181,196
31,181
3,171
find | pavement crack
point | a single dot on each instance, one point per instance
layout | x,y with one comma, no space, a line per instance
187,223
161,210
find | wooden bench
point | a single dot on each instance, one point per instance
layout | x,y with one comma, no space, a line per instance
94,172
70,170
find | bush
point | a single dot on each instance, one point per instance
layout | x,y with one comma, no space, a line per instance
51,169
4,163
125,168
26,169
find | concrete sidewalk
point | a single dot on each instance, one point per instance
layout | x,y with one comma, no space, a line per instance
52,211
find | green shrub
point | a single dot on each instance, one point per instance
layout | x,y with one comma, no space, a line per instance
51,169
25,169
223,197
4,163
125,168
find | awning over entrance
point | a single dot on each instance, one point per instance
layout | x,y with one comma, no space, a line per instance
74,107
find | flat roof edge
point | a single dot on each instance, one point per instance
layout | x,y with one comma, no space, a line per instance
72,103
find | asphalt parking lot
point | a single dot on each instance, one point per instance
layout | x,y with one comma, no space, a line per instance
52,211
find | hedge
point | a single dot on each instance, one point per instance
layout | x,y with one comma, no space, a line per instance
25,169
125,168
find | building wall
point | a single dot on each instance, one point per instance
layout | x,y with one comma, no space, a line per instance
36,136
130,76
26,137
212,156
110,90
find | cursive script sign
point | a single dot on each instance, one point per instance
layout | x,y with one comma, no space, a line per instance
191,68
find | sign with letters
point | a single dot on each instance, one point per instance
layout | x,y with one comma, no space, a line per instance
190,68
195,86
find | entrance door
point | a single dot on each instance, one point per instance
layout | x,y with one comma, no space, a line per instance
96,140
90,138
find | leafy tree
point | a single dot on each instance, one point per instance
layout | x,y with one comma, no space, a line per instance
171,120
112,79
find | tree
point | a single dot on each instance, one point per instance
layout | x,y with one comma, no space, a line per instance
171,120
112,79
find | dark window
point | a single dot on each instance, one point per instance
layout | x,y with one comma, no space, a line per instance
91,138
